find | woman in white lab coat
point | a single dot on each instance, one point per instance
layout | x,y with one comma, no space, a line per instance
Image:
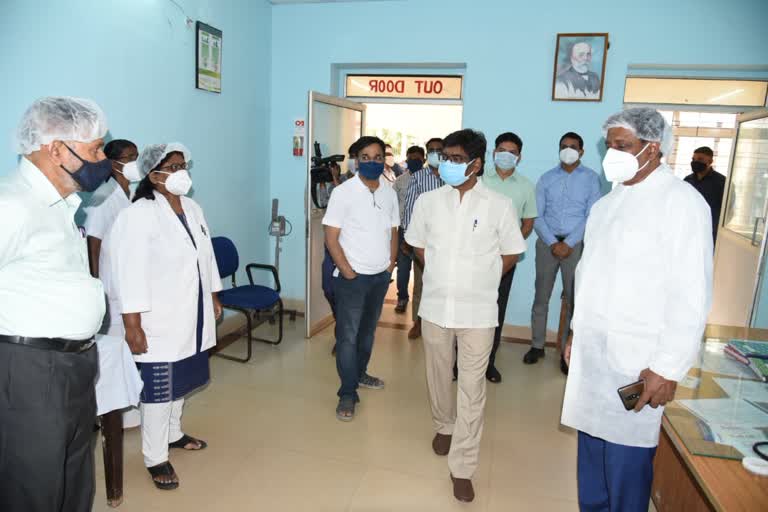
160,273
110,198
103,207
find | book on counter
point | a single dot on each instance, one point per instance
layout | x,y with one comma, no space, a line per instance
753,354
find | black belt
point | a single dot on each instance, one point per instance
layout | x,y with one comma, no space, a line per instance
57,344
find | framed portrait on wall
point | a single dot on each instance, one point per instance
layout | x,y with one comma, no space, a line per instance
579,67
208,58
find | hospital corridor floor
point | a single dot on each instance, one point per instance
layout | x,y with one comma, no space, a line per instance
274,443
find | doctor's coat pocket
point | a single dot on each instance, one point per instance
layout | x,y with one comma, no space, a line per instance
630,353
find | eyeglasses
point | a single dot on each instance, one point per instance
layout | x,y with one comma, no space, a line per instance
457,159
175,167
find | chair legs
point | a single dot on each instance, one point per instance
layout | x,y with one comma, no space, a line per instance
249,328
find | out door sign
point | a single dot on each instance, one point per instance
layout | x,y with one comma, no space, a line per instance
404,86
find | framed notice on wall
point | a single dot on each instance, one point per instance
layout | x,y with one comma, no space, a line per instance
208,58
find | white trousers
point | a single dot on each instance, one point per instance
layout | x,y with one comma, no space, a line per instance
160,425
460,415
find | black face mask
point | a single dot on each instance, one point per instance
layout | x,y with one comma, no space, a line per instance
90,175
414,165
698,167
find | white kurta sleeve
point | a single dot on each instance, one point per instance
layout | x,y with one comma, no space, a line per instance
416,235
131,239
688,294
511,239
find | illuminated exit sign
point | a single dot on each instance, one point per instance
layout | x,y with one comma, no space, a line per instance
404,86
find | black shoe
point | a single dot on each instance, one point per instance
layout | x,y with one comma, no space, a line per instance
533,355
401,305
492,374
563,365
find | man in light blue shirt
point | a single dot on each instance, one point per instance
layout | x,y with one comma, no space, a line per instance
564,196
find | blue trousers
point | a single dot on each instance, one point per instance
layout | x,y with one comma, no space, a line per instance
404,264
358,307
613,477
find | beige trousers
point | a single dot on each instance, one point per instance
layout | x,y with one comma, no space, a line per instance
459,415
417,284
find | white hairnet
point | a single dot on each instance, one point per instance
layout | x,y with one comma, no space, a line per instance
59,118
153,154
646,123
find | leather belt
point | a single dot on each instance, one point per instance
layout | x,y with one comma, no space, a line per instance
57,344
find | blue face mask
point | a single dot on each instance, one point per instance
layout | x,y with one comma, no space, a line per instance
454,174
90,175
370,170
414,165
433,159
505,160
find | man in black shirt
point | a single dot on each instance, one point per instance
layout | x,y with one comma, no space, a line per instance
709,183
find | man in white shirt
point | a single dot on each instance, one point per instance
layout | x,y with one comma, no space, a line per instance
467,237
643,292
51,309
361,235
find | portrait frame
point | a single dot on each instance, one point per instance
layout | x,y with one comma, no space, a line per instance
569,84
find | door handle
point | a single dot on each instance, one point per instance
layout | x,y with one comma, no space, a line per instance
754,230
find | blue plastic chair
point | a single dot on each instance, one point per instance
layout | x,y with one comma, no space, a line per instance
247,299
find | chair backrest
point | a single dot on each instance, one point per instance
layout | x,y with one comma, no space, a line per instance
226,256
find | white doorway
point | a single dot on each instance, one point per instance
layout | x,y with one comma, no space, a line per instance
411,124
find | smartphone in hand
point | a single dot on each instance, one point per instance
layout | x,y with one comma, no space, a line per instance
630,394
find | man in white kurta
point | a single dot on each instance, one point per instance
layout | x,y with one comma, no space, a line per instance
466,236
643,292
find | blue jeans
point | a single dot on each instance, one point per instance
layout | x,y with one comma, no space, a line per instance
404,263
358,307
613,476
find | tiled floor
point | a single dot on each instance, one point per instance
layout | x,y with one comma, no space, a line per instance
275,444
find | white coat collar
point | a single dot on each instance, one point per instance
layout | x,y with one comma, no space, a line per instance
163,203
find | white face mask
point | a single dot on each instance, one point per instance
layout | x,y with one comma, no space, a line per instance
390,161
569,156
620,166
352,165
505,160
177,183
130,171
433,159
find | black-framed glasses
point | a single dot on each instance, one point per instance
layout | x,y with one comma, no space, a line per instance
175,167
457,159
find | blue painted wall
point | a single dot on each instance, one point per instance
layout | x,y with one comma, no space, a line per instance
508,49
136,58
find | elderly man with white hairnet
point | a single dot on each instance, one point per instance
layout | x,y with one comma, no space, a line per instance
161,278
50,310
643,292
